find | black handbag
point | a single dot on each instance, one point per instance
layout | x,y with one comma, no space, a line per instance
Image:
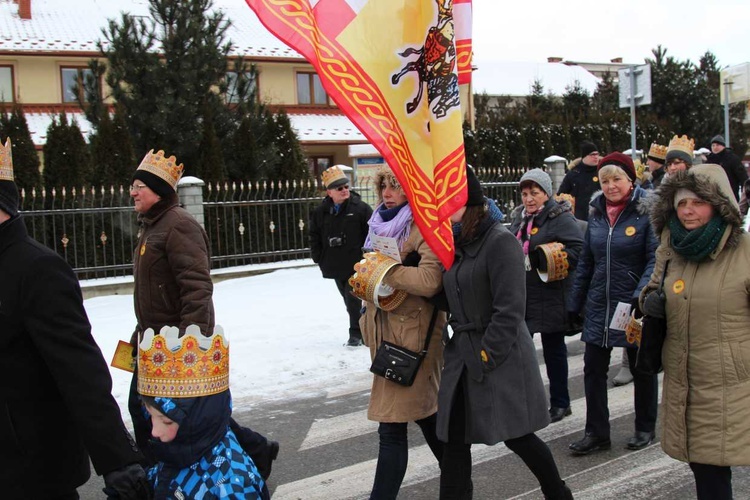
398,364
653,333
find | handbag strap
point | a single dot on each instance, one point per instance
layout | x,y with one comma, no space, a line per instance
429,330
663,276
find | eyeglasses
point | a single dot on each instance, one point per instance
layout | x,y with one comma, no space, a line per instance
137,187
341,188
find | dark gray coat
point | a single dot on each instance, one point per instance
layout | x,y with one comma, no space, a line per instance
545,302
486,290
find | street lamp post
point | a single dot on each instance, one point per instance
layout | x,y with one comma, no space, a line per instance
727,84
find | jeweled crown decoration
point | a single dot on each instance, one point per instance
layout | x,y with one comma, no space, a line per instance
186,367
658,151
6,161
682,143
332,174
165,168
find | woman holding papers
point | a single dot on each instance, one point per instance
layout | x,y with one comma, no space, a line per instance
615,264
420,275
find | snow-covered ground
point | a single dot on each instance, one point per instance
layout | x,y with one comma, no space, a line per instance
286,332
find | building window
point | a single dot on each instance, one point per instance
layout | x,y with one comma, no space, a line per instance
317,164
6,84
234,91
310,90
72,77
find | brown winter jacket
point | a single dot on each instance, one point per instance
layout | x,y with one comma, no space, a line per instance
171,267
407,326
705,414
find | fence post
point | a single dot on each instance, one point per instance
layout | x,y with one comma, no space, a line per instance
190,191
556,170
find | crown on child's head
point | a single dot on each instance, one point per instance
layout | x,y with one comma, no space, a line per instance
6,161
166,169
187,367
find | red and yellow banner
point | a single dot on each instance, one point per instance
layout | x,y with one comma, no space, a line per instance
393,66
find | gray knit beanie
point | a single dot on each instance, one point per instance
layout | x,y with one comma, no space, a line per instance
539,177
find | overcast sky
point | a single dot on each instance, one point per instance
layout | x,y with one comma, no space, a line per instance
596,31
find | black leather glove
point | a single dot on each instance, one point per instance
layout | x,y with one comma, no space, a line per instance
637,313
412,259
655,304
536,262
575,320
128,483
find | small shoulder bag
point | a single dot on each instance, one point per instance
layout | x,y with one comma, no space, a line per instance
398,364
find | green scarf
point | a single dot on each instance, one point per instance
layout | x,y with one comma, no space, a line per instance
697,244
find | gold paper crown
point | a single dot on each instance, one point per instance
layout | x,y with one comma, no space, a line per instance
556,259
6,161
166,169
682,143
657,151
333,174
367,282
187,367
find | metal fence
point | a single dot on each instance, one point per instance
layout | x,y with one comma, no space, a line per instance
95,229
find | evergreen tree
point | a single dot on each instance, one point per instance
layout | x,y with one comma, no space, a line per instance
13,125
113,160
292,164
538,143
576,103
210,165
66,157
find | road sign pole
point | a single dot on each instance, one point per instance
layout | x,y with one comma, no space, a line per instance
727,85
632,113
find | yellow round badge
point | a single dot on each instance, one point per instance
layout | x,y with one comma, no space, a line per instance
630,231
484,356
596,179
678,286
143,249
535,230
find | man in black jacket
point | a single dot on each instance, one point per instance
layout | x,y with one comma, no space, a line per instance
338,228
56,406
581,181
730,162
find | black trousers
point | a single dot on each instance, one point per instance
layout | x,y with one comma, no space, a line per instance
712,482
393,455
556,362
353,307
455,468
595,368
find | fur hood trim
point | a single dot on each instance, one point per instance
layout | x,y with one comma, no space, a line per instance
710,183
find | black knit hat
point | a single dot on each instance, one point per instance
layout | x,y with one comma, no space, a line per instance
475,196
588,147
156,184
719,139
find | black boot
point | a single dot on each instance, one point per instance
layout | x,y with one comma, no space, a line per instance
589,444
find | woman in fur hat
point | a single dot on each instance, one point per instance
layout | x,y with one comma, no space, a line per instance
491,390
706,302
391,404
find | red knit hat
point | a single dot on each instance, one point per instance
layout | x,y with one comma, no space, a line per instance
621,160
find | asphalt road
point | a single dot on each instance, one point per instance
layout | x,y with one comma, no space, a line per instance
329,450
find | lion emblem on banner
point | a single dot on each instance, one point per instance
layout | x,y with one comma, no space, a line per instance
435,65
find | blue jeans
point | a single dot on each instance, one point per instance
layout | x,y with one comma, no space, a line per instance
393,456
556,361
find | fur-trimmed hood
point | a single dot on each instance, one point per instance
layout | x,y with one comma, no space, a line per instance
710,183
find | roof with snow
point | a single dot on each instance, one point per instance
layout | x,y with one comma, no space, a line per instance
310,128
516,78
76,26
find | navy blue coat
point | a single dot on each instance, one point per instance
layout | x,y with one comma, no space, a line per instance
615,264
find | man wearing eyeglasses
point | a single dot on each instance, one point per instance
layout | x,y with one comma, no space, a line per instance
338,228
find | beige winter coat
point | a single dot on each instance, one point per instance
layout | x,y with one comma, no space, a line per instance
407,326
705,414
